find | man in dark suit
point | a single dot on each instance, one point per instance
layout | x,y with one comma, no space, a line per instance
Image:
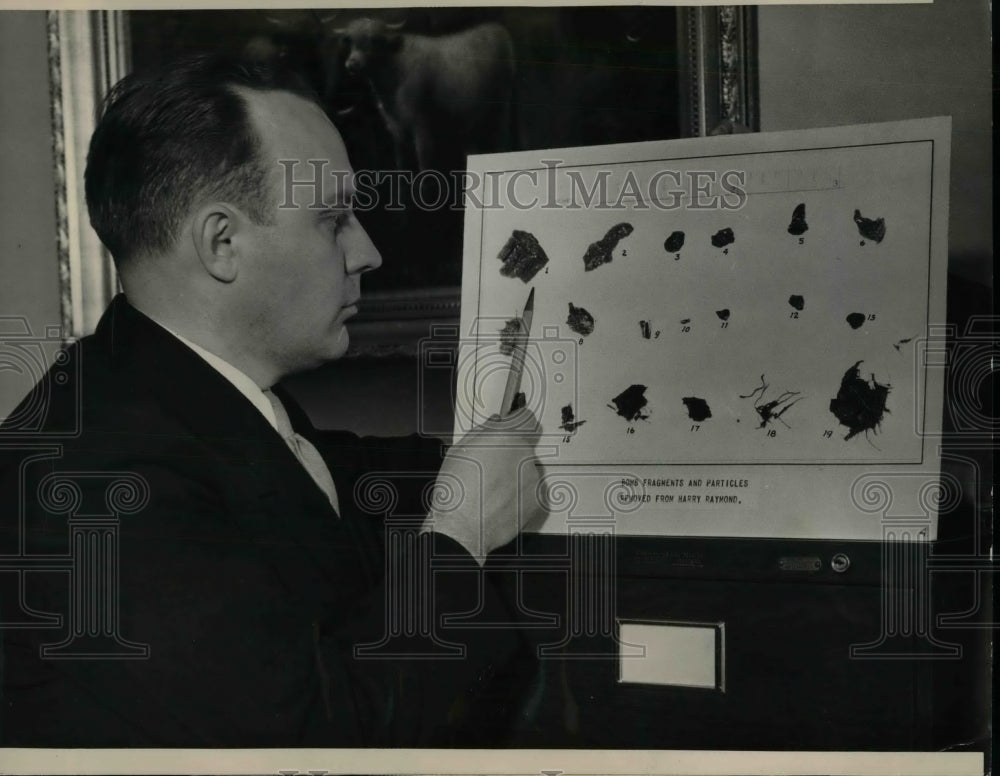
206,568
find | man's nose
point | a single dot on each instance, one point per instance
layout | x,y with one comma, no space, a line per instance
362,255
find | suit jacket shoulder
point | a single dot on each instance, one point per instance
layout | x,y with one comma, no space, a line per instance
237,596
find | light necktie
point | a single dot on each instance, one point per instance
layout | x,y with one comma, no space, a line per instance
305,451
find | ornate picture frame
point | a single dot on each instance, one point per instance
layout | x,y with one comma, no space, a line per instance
90,50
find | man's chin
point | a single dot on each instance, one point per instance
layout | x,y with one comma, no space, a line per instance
332,349
339,345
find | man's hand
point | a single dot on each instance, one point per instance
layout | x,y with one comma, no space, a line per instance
487,489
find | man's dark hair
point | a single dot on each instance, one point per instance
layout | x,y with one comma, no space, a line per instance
168,136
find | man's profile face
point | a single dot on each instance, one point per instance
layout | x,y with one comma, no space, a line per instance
302,274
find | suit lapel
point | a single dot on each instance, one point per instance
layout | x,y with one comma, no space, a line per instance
208,405
274,507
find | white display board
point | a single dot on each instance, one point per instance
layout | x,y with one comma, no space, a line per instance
728,332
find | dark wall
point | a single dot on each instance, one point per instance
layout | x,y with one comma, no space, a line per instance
828,65
30,278
580,76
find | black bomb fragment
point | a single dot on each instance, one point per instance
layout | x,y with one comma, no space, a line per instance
723,314
569,421
770,410
631,403
723,237
854,320
774,409
870,228
600,252
508,335
644,329
798,226
580,321
797,301
674,242
698,409
859,404
522,256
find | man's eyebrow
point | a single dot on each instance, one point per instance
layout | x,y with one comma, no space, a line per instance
331,213
341,202
334,210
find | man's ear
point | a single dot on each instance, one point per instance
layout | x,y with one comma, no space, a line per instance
213,230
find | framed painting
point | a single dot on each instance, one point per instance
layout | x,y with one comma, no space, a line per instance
534,77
